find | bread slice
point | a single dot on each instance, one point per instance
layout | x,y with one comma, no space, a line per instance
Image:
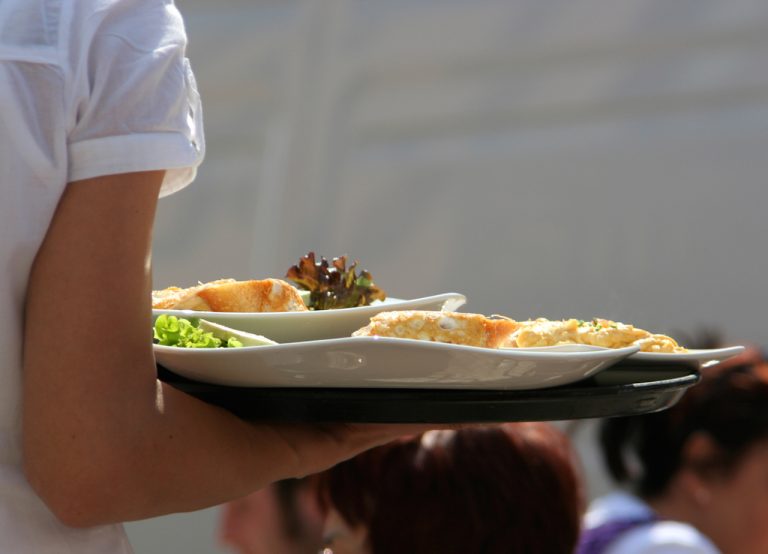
229,295
451,327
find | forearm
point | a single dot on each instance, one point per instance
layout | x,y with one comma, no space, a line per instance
175,455
103,441
148,458
162,451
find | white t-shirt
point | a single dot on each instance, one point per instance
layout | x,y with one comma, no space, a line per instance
662,537
87,88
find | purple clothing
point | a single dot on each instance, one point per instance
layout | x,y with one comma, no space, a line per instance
598,539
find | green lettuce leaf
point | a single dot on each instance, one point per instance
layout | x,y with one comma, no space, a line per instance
176,331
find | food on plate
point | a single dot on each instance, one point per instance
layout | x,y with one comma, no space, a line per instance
198,333
333,285
319,285
443,326
229,295
597,332
502,332
176,331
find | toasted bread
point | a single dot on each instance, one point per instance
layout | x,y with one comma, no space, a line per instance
451,327
228,295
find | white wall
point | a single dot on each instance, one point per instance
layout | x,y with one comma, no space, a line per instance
193,533
550,157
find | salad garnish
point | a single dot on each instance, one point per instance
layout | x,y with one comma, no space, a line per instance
333,285
170,330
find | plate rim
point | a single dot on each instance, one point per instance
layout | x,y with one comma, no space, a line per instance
699,354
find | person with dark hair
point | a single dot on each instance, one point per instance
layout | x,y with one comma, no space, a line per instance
506,489
282,518
699,481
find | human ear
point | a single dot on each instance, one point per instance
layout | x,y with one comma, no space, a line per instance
698,456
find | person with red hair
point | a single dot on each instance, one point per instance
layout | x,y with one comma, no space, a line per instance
509,488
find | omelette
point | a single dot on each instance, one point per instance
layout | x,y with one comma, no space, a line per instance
229,295
440,326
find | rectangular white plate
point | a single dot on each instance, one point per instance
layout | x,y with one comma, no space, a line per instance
287,327
389,363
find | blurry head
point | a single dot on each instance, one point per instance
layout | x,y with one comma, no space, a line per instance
283,518
709,454
494,489
729,407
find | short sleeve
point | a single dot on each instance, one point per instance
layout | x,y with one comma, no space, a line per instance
135,101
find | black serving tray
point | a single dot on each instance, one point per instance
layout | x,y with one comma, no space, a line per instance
624,389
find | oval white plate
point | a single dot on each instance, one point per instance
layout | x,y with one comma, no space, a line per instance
388,363
701,357
321,324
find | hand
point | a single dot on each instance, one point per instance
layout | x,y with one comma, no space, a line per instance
317,447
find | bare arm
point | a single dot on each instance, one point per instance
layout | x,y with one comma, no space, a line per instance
104,441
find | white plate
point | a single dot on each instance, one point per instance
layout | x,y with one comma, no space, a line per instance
703,358
321,324
388,363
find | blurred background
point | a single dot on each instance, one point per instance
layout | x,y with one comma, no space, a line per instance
546,158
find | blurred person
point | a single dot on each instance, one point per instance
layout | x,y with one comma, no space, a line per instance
282,518
697,473
100,116
510,488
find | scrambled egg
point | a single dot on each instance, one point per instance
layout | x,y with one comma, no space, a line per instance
598,332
